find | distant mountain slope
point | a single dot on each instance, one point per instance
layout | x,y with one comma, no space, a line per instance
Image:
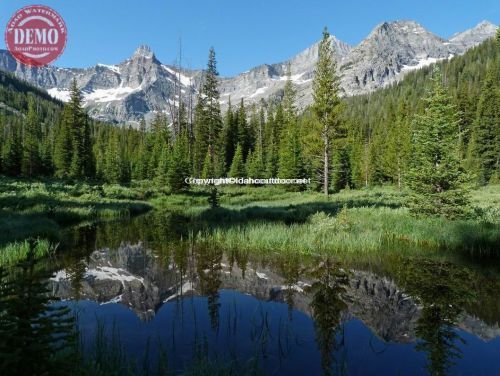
374,119
14,95
142,85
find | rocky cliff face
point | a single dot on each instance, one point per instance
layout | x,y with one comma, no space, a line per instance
142,85
390,50
473,37
267,81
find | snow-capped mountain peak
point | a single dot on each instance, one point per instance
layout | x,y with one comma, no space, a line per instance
141,85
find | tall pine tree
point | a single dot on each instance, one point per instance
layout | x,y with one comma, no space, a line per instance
291,158
179,167
12,150
208,124
230,135
237,169
73,155
436,177
485,142
31,164
327,105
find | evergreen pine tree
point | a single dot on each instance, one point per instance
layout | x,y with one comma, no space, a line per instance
253,128
273,129
116,168
230,135
243,130
46,165
208,123
141,163
341,177
466,107
159,140
87,149
76,122
179,168
213,198
260,140
12,152
360,159
279,121
327,105
255,166
200,144
63,146
31,163
163,167
237,169
291,158
486,132
289,97
398,146
436,177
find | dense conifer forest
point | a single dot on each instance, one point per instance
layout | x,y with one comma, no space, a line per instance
366,141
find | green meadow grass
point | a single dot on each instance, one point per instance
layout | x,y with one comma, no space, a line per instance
357,230
14,252
263,219
41,209
372,220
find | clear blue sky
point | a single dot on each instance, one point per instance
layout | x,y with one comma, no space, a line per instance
244,33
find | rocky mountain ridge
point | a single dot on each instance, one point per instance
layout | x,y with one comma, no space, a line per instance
141,85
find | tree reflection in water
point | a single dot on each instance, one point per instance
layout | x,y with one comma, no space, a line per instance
326,306
443,289
208,265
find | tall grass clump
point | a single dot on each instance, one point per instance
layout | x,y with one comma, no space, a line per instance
357,230
17,251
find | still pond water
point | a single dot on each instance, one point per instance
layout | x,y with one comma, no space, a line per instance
137,283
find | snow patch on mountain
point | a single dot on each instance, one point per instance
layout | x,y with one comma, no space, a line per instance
109,95
185,80
95,96
295,78
423,62
113,68
259,91
61,94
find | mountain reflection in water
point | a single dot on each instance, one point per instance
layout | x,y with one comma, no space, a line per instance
280,314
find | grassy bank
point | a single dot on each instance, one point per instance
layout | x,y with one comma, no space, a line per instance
270,220
264,219
357,230
42,209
